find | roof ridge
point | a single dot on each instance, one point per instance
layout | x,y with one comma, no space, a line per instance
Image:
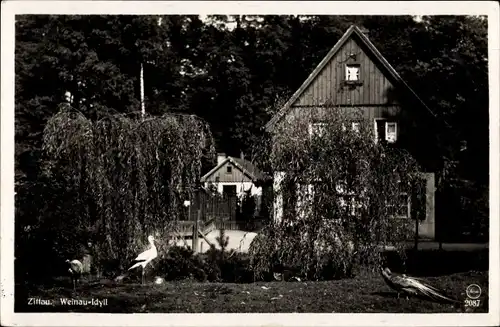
317,70
231,159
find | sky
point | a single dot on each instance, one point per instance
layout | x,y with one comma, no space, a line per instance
232,25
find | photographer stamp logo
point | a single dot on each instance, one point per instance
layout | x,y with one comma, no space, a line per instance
473,291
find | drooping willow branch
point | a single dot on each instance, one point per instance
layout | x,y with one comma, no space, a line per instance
338,193
132,173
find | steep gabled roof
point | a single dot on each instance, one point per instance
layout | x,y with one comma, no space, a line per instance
371,48
246,167
250,168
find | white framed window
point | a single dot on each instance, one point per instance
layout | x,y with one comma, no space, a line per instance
348,199
356,127
352,72
402,209
317,129
305,196
391,132
385,130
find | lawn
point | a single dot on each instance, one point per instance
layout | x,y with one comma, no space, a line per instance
366,293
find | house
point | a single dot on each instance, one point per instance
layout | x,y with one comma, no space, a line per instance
234,176
354,74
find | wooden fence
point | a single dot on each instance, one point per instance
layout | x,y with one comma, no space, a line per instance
213,207
208,212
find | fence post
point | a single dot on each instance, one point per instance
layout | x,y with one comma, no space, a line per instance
195,231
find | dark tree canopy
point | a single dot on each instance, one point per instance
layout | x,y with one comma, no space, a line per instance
232,78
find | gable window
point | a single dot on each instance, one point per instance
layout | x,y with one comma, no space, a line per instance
352,72
229,170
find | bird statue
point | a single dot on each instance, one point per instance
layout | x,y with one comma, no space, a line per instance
414,286
75,270
145,257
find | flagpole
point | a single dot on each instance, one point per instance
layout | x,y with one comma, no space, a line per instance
143,108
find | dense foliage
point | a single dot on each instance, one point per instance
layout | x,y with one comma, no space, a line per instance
341,194
128,179
216,265
232,78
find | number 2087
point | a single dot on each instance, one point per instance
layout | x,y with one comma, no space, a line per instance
472,303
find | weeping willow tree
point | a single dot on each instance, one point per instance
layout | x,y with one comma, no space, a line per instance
339,197
131,176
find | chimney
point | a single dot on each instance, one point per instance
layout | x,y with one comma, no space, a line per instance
242,155
220,158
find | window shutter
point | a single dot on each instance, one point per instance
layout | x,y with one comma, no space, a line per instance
289,194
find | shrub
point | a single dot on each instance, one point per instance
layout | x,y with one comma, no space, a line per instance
181,263
232,266
335,192
227,266
215,266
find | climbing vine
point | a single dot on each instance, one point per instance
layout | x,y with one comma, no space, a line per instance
131,175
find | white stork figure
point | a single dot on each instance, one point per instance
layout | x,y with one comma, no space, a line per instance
75,270
146,257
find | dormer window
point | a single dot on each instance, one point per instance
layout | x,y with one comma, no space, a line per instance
352,73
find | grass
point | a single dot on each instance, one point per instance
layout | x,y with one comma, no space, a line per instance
366,293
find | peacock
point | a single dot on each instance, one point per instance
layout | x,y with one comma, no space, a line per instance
75,270
414,286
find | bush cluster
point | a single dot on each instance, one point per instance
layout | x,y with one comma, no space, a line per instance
215,265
